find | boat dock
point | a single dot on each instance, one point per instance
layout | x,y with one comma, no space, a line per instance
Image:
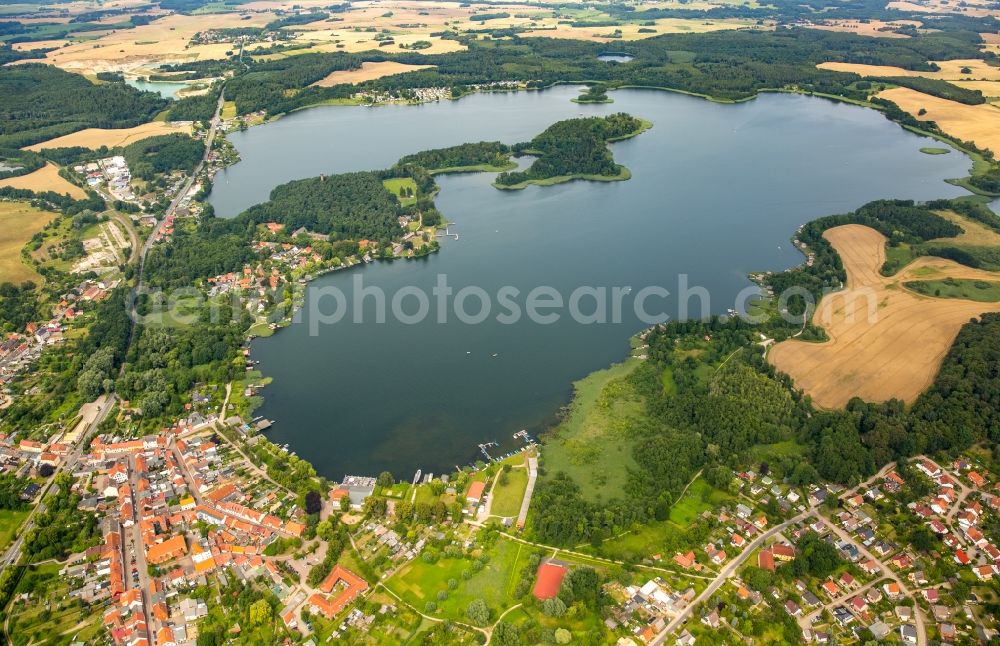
447,233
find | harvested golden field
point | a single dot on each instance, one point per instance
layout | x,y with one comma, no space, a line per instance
875,28
950,70
990,89
160,41
550,29
46,178
18,222
973,233
368,72
328,40
885,341
977,123
96,137
966,8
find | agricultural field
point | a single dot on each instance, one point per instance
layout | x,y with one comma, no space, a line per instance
18,223
973,233
94,138
162,41
368,72
977,123
872,28
884,341
626,32
590,444
950,70
46,178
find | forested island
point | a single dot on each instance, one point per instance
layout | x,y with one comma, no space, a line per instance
357,206
574,149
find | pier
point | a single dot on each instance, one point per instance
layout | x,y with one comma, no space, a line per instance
447,232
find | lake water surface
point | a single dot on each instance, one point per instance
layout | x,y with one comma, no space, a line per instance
166,89
716,192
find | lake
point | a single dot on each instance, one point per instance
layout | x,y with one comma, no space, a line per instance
166,89
716,192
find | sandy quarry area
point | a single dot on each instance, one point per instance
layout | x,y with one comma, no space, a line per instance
96,137
977,123
46,178
368,72
885,341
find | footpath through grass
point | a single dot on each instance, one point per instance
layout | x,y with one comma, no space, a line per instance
509,492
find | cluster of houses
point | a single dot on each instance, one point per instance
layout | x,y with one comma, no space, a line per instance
29,459
173,512
19,350
955,512
111,171
645,610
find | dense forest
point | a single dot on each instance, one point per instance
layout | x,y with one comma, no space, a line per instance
714,424
195,108
351,205
938,88
727,65
574,148
484,153
39,102
163,154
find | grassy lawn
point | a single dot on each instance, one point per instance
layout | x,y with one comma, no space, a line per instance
651,537
9,522
667,378
228,110
774,452
699,497
898,257
421,582
396,186
590,445
18,222
623,174
507,497
971,290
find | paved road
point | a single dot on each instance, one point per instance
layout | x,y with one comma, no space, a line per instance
918,614
13,553
181,194
726,574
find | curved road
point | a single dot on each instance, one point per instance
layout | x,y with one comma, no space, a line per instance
181,194
725,574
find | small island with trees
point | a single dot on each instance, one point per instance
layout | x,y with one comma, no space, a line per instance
596,93
574,149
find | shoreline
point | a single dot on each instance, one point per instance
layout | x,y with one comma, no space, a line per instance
625,173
